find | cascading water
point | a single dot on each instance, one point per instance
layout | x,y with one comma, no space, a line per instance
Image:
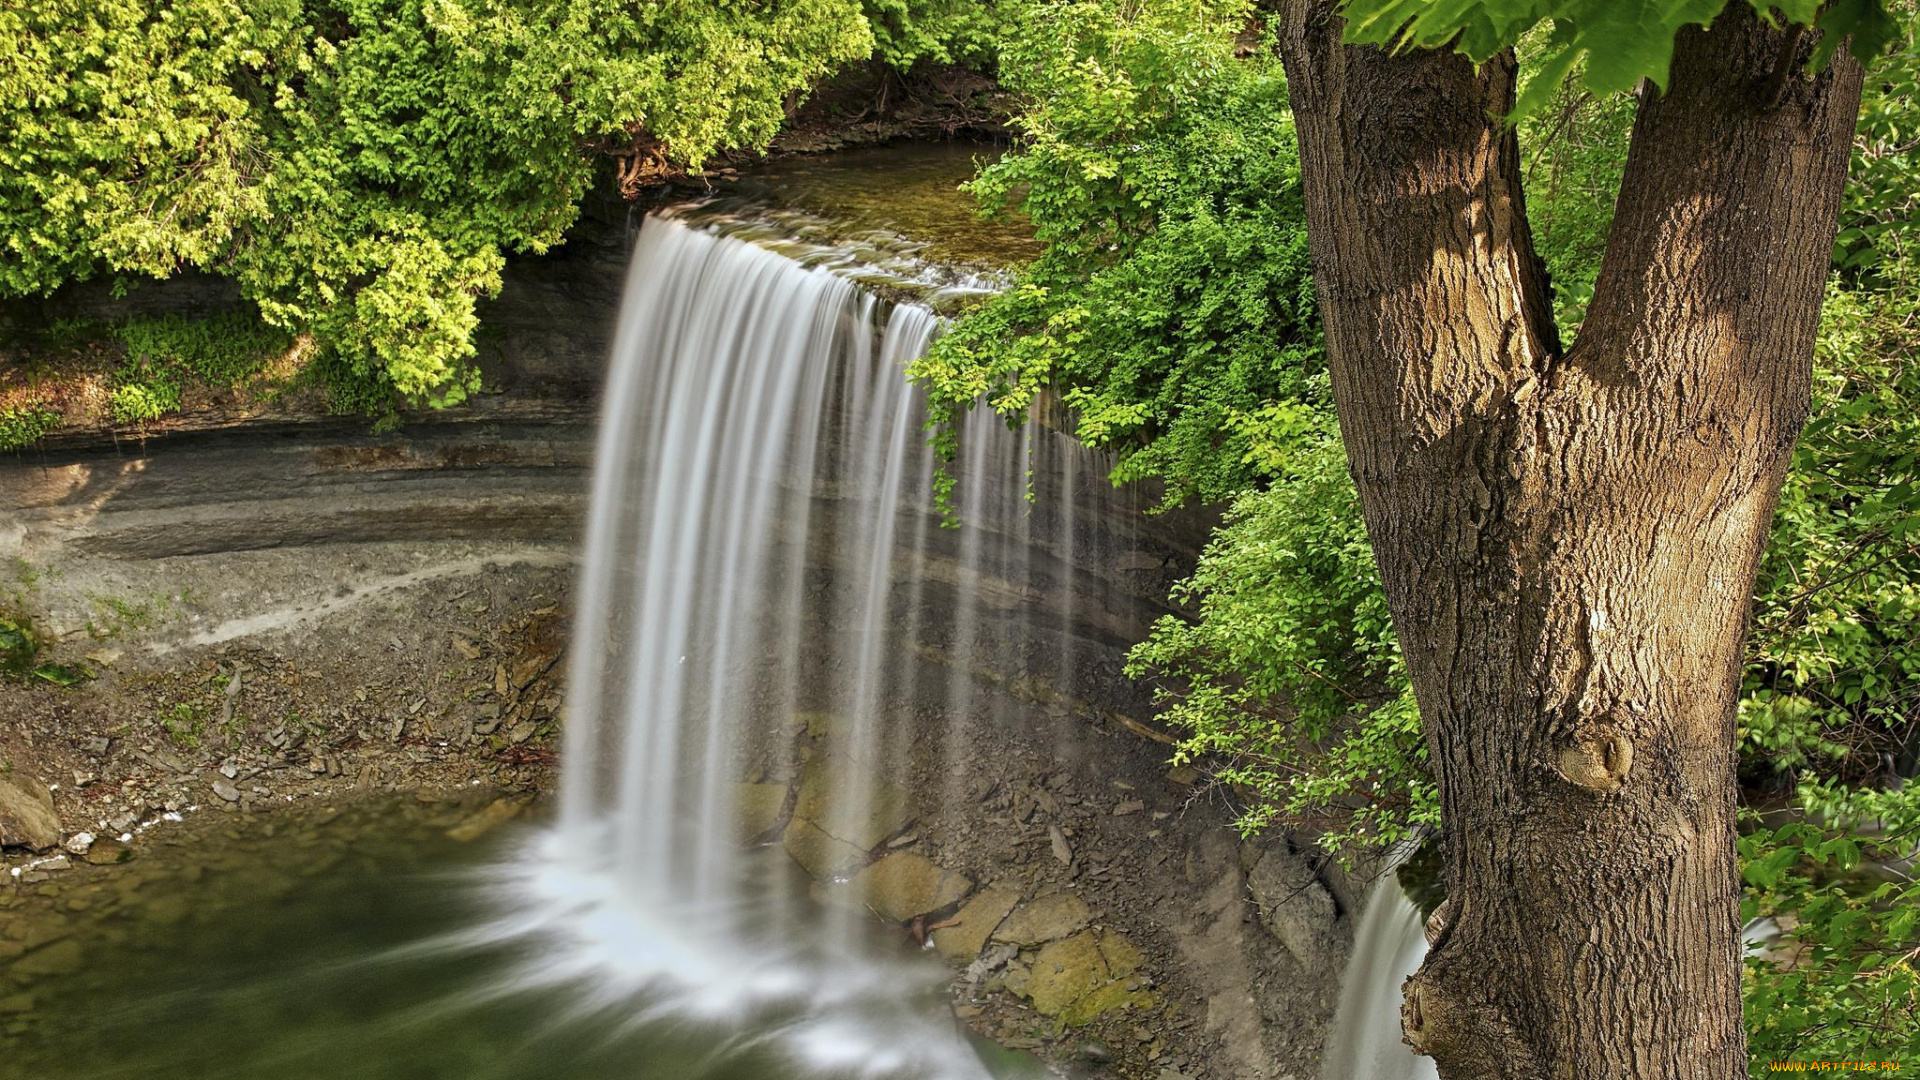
753,613
1366,1043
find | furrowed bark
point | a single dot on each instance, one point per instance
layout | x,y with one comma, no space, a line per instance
1568,541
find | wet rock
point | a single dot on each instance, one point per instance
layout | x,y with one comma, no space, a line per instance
27,817
107,851
823,800
14,1004
905,885
1047,918
757,810
79,843
1295,907
967,932
492,816
820,855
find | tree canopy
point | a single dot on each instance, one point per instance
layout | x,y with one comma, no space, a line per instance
360,168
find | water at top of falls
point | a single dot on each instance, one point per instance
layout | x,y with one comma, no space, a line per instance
761,552
1366,1043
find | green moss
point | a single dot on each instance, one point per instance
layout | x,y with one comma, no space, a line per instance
17,647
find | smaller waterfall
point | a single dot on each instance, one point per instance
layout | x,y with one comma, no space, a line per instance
1365,1043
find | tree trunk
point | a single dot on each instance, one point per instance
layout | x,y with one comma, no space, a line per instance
1568,539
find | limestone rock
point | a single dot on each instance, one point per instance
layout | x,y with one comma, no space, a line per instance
756,810
27,817
1045,919
974,923
106,851
905,885
824,801
819,854
1073,979
1296,908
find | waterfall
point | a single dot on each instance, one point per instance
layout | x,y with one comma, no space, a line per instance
767,591
1365,1043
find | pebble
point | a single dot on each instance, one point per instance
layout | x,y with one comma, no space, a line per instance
226,791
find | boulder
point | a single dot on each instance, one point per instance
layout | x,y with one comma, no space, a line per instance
822,856
1075,980
825,800
1047,918
1296,908
27,817
967,932
905,885
756,809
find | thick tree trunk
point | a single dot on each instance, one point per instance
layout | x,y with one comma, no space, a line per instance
1569,540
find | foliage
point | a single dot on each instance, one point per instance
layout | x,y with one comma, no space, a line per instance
169,352
360,167
1835,681
1573,168
1841,981
1289,677
1610,44
23,425
1172,310
906,32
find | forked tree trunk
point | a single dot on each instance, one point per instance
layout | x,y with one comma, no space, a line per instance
1568,540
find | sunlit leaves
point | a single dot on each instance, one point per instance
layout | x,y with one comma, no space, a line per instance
1613,43
361,167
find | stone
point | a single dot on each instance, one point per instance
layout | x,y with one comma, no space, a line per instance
107,851
227,791
1131,806
1122,956
967,932
79,843
27,816
488,818
14,1004
887,809
1047,918
1296,908
905,885
1058,840
1066,971
756,810
820,855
